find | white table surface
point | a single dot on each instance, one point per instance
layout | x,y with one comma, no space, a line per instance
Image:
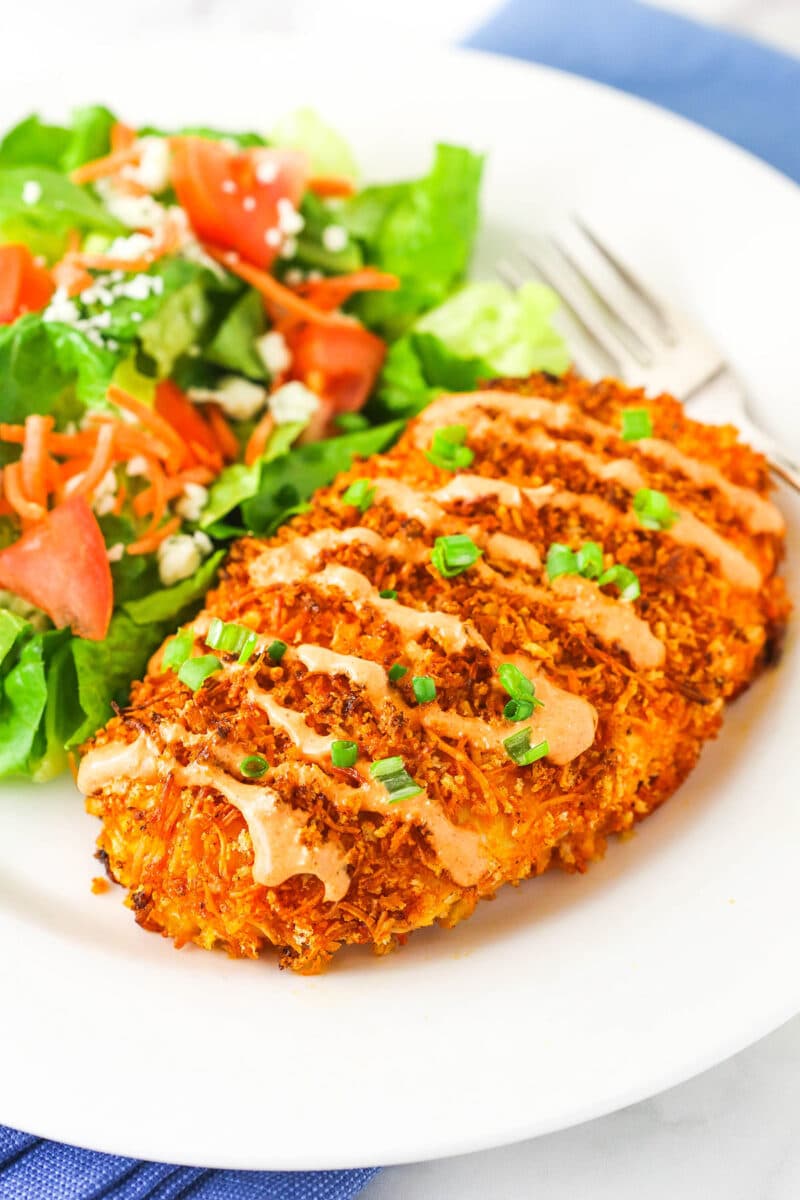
731,1134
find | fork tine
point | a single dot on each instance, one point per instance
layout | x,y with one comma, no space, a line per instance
515,278
629,329
633,282
625,364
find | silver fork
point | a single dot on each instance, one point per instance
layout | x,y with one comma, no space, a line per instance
633,334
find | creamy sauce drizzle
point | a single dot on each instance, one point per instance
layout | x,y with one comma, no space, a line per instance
567,722
688,530
276,830
610,621
757,514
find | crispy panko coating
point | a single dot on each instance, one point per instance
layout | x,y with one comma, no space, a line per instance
184,851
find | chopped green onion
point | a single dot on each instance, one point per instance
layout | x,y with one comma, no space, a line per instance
561,561
386,766
636,424
388,594
447,450
392,773
518,710
254,766
519,748
195,671
518,686
653,509
589,560
276,650
424,688
178,649
453,554
626,580
344,754
360,494
248,646
397,672
214,632
231,638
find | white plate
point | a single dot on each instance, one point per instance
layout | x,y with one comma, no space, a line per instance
567,997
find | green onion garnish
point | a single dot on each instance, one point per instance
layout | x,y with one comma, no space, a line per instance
653,510
447,450
392,773
248,646
424,688
518,710
519,748
344,754
276,650
195,671
254,766
518,686
231,638
636,424
360,494
453,554
388,594
561,561
397,672
626,580
178,649
589,560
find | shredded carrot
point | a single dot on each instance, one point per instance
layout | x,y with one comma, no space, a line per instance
108,164
27,510
279,299
259,438
210,460
225,437
152,540
332,185
34,458
119,502
201,474
70,276
99,463
329,293
122,136
151,421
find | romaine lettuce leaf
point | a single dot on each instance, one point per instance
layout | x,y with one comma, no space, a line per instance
305,130
509,330
46,367
33,142
232,344
279,484
57,205
417,368
422,231
57,689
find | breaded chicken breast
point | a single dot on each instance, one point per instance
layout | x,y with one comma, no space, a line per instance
473,657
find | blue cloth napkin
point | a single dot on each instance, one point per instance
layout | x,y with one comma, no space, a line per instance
735,86
742,90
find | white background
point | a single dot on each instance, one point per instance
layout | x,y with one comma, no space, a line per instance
731,1134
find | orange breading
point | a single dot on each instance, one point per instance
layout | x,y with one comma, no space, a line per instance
185,853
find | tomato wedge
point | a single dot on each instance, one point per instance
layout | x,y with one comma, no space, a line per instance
24,285
231,196
60,565
340,362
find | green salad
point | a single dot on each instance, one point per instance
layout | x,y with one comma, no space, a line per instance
198,329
